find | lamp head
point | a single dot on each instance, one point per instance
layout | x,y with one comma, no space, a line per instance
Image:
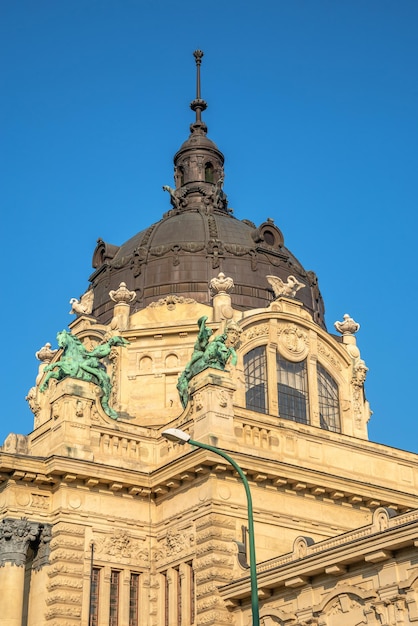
176,435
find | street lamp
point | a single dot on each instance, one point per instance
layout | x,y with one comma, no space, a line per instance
179,436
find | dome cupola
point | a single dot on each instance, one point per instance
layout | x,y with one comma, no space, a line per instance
199,238
198,165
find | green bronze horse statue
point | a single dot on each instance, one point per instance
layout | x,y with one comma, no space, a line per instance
78,362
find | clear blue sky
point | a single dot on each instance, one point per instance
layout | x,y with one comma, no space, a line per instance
315,106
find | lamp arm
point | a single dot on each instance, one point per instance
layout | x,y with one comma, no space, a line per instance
251,541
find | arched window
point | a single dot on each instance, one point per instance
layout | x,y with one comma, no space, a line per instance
329,406
255,372
292,390
209,173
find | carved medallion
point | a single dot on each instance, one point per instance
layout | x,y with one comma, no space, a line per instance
293,342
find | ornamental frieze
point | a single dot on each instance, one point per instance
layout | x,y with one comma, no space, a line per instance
212,525
255,331
208,603
237,250
175,543
205,590
292,342
73,611
74,543
213,560
58,582
121,546
63,597
160,250
65,568
328,354
171,301
68,529
216,617
64,555
192,246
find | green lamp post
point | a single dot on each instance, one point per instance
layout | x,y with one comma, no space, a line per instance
179,436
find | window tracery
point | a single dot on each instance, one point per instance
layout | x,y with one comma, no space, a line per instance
294,380
255,372
292,390
329,406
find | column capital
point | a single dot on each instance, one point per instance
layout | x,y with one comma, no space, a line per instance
15,537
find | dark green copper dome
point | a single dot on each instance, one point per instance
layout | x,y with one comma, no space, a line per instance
198,238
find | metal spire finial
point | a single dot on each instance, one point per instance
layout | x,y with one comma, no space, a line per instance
198,104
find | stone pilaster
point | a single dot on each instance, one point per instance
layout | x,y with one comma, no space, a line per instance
211,392
39,577
65,576
214,566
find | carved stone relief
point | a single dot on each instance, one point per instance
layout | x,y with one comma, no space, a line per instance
329,355
171,301
255,331
293,342
175,543
123,547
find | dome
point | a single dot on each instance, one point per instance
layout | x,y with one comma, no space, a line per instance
197,239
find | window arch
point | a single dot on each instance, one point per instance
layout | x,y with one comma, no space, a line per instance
292,390
255,373
329,406
209,171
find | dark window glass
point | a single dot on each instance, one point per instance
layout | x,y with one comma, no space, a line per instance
269,237
192,592
114,598
292,389
166,599
255,372
209,173
329,406
134,600
179,596
94,597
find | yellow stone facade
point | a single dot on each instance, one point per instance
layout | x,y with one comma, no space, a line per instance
161,525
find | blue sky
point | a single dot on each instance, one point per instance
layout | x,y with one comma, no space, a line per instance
315,106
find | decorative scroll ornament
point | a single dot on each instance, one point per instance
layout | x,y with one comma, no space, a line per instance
84,306
221,284
122,295
290,288
293,343
45,354
348,326
300,546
